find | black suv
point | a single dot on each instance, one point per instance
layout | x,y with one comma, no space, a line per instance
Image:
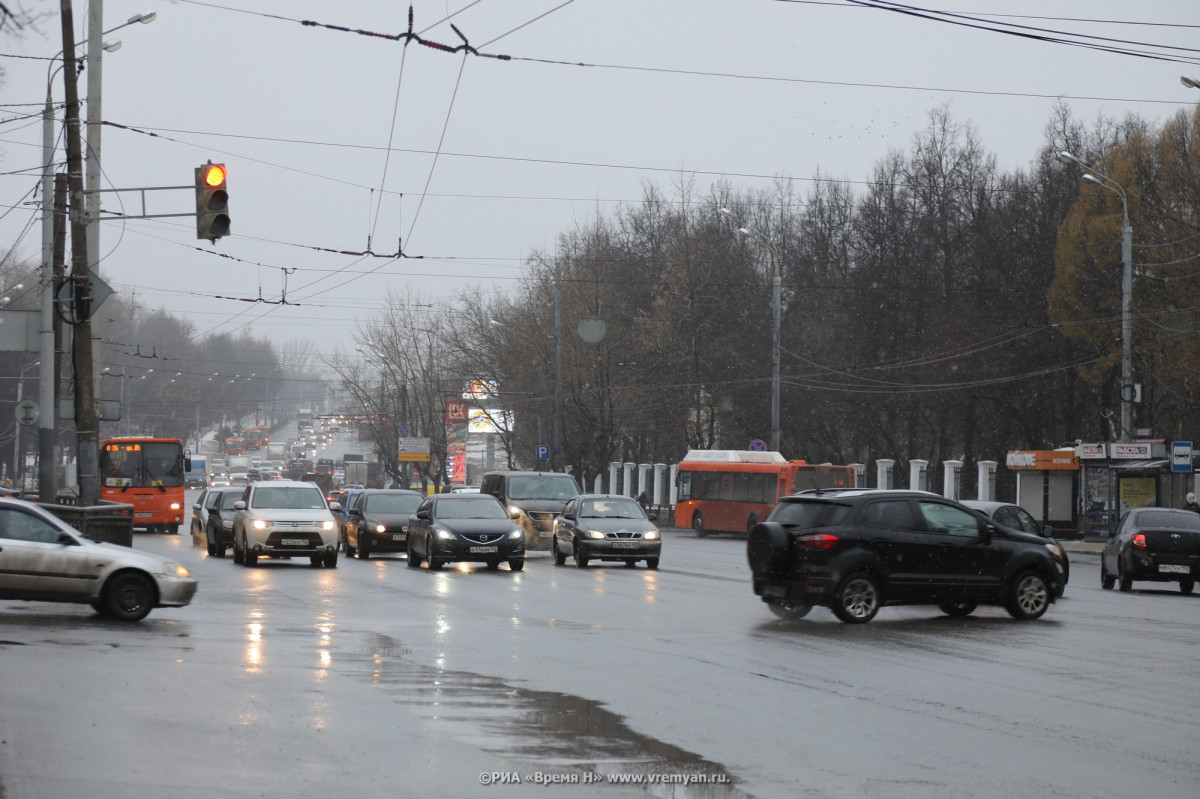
856,550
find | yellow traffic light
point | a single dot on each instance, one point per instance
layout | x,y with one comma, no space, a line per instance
212,202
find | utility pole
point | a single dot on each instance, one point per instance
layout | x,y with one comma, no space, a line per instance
88,445
557,455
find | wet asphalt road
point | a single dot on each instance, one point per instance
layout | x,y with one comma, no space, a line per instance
374,679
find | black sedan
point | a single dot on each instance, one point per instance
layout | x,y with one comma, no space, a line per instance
1014,517
464,527
606,527
378,521
1157,544
218,522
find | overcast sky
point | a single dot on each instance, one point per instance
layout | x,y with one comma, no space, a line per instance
492,158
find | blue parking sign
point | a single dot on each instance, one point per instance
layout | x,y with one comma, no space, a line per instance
542,452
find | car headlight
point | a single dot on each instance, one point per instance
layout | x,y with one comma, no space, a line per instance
516,533
445,535
328,524
651,536
593,534
381,528
259,524
176,569
1055,550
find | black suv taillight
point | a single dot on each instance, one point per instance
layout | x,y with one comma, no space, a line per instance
817,540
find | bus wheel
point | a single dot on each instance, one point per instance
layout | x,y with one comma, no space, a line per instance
174,529
698,524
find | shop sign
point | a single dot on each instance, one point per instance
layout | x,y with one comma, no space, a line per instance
1092,451
1130,451
1042,460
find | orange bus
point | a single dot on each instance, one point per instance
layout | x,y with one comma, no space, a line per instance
234,446
733,490
147,473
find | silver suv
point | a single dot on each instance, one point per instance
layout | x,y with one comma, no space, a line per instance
284,519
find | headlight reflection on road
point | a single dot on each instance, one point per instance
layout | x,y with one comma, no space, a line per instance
599,583
253,656
650,580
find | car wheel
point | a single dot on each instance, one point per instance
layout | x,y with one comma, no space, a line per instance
957,608
219,548
238,556
1107,581
652,563
331,560
698,524
857,599
1126,582
413,561
315,560
363,552
516,564
349,550
581,558
212,550
1186,586
560,558
249,556
630,563
788,609
128,597
1028,596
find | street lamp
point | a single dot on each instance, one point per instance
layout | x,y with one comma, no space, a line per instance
1127,391
776,304
1191,83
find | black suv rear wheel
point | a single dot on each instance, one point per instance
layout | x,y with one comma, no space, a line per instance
857,599
788,609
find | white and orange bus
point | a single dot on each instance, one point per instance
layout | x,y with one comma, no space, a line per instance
723,490
148,473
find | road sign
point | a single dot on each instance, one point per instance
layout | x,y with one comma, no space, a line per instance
27,412
758,445
1181,456
542,452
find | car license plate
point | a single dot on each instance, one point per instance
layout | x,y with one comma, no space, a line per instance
397,536
626,545
1171,568
146,515
484,550
295,542
775,590
545,533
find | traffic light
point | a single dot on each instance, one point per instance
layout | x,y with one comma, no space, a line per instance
212,202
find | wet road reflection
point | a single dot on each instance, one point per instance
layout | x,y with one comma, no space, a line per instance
553,731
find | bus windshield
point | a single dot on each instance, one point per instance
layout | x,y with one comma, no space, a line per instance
142,464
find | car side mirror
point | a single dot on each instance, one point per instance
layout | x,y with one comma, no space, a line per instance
239,505
652,516
66,540
986,531
336,506
1047,531
423,515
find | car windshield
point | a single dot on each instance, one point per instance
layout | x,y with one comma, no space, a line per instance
289,498
620,508
549,486
465,508
1179,520
392,503
804,515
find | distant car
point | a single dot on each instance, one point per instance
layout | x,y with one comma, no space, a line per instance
378,521
218,522
1153,544
219,481
1014,517
464,490
44,559
284,519
606,527
344,499
464,527
856,550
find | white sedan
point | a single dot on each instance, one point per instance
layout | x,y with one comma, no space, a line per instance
44,559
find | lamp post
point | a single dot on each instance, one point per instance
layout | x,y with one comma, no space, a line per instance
18,472
1127,392
776,304
1191,83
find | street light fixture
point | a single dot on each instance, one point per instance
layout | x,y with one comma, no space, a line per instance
1127,391
1191,83
776,305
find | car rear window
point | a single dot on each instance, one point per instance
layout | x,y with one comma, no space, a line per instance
1167,520
810,513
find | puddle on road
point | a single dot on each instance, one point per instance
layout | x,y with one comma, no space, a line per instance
574,735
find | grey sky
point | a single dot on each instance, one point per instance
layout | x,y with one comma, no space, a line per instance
302,116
